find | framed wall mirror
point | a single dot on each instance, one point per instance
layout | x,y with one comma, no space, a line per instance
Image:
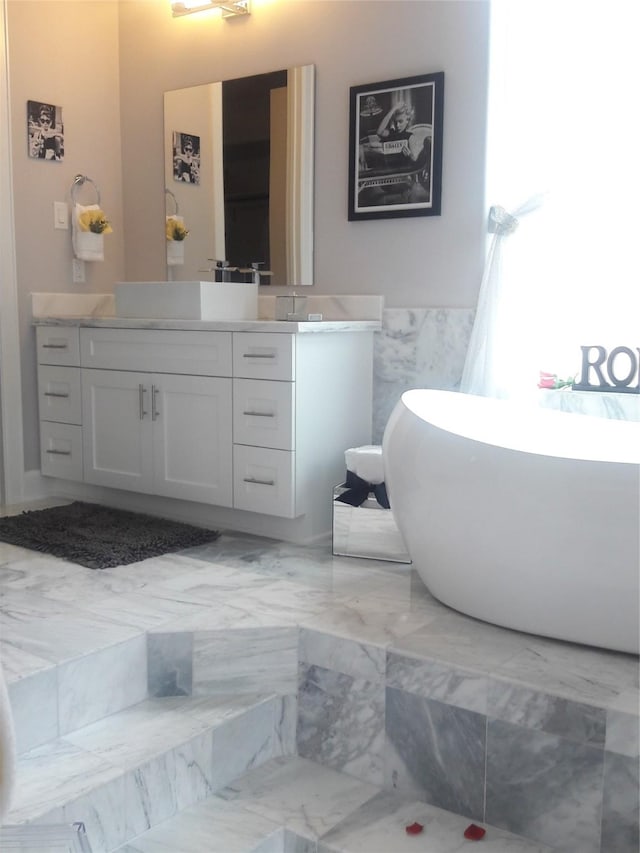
239,171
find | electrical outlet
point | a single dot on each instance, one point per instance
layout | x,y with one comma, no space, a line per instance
78,271
60,215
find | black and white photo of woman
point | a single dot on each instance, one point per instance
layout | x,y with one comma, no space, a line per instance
45,131
394,156
186,158
395,140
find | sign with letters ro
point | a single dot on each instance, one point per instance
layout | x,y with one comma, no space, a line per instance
617,370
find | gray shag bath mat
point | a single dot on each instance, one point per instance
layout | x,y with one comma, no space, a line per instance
99,537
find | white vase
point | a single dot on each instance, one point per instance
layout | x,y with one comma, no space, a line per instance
175,253
88,246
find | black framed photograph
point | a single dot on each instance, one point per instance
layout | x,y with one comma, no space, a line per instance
395,148
45,131
186,157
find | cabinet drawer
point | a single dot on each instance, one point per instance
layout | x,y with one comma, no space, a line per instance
61,450
58,344
59,394
157,350
263,480
262,355
263,413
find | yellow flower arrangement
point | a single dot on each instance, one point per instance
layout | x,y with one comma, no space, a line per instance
94,221
175,229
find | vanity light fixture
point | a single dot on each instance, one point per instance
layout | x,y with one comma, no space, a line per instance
229,8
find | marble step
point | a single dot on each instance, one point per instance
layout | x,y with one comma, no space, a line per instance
135,768
292,805
55,698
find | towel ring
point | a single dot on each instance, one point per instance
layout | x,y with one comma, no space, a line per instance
175,201
78,181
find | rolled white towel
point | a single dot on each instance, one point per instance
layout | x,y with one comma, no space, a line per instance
7,749
366,462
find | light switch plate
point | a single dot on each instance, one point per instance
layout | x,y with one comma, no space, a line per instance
60,215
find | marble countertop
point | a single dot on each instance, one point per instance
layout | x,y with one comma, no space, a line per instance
340,314
277,326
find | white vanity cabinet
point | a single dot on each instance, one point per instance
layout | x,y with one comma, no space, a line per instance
160,433
256,422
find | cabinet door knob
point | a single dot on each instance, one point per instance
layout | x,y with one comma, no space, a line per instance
260,482
258,355
54,394
260,414
60,452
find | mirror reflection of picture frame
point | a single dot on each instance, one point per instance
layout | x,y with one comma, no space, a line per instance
45,131
395,148
186,157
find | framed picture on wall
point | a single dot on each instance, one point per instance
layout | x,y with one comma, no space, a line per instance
395,148
186,157
45,131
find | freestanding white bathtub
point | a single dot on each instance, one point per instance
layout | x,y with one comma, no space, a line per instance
527,518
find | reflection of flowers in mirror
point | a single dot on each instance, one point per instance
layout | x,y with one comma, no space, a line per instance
175,229
94,221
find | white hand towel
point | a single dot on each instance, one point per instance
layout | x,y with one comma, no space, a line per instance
7,749
366,462
87,246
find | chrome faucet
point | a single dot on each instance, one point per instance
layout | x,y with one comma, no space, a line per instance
220,269
210,269
255,271
224,270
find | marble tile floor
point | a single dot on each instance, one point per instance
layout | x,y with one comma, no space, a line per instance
54,612
364,666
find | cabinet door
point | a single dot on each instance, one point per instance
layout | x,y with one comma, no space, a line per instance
192,438
116,419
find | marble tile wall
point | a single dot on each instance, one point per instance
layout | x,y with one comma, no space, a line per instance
523,760
427,347
621,407
417,348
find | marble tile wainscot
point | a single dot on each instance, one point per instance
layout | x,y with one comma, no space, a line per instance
417,348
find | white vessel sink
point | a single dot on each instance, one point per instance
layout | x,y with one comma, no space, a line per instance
186,300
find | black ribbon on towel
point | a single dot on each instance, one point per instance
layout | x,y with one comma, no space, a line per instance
358,490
